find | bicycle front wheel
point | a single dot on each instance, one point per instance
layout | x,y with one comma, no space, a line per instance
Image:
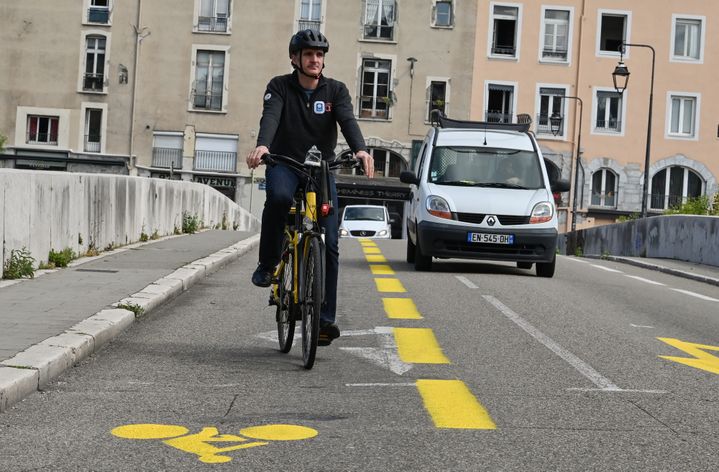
312,301
285,299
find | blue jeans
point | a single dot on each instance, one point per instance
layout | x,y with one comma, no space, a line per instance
281,186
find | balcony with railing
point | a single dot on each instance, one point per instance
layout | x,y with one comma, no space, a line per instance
217,161
100,15
212,24
497,117
610,126
504,50
202,100
167,158
93,82
544,126
92,143
303,24
555,54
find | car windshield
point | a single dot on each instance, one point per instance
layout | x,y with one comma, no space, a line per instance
485,167
364,214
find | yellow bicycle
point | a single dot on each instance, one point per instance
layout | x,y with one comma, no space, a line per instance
299,280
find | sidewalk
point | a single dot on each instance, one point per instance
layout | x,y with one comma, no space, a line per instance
51,322
688,270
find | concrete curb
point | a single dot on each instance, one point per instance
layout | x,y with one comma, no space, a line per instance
32,369
651,266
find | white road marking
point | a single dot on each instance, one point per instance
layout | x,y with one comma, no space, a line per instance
574,259
642,279
466,281
640,326
693,294
412,384
618,390
582,367
607,268
385,355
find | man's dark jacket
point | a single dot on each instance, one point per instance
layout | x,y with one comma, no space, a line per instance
291,123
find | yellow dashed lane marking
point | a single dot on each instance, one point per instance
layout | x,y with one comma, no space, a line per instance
401,308
371,250
451,405
418,346
375,258
368,244
389,286
381,269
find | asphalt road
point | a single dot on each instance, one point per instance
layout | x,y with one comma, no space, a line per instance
477,367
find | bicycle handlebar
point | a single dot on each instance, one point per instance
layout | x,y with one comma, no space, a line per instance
272,159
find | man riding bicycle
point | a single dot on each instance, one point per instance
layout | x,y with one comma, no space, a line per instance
302,110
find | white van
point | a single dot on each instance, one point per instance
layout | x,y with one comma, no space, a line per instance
481,191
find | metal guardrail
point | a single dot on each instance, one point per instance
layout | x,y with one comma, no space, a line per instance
215,24
93,82
544,126
220,161
207,100
166,158
92,143
308,24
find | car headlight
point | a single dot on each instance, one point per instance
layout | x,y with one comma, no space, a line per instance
542,212
438,206
344,232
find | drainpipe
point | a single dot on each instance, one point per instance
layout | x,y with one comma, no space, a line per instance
138,39
577,105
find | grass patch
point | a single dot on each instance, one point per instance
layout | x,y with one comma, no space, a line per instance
61,258
133,307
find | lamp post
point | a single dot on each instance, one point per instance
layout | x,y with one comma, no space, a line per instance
556,122
620,76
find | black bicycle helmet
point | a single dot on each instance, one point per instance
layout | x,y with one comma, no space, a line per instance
308,39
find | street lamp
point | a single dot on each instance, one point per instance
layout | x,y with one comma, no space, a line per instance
555,122
620,76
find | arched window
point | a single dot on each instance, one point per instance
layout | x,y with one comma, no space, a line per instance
387,163
672,186
604,188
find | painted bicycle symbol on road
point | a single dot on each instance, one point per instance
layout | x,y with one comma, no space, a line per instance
202,444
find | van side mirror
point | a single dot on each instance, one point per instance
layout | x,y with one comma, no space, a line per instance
408,177
560,185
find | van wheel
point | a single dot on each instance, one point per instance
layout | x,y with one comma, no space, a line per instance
524,265
421,261
546,269
410,251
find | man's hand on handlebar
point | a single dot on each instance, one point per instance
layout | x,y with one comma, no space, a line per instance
254,158
367,163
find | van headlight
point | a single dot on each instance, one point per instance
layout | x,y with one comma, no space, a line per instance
541,213
344,232
382,232
438,206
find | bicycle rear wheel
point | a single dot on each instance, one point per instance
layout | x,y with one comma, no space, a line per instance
312,301
285,304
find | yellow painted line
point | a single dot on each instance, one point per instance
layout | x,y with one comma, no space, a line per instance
401,308
381,269
389,285
375,258
451,405
701,360
368,243
418,346
372,250
364,240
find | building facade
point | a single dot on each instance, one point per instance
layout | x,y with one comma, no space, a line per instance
173,89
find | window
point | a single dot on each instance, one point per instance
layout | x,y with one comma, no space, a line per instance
379,19
437,97
442,14
94,77
167,150
550,102
673,186
500,103
375,100
555,39
93,129
310,14
216,153
213,16
504,30
209,78
42,129
609,112
604,188
682,116
99,12
612,31
687,39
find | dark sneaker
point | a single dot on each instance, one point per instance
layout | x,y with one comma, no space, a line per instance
262,277
328,333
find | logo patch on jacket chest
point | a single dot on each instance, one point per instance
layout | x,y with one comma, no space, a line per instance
319,107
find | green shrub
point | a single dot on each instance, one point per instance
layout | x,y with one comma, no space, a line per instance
19,265
190,223
144,237
155,235
61,258
225,224
623,218
693,206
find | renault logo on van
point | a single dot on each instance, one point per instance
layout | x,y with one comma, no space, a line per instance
491,220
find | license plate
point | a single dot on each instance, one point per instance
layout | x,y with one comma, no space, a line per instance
490,238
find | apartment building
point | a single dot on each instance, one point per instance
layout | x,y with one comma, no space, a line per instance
531,54
173,89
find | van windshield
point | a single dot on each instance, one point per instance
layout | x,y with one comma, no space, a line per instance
485,167
363,213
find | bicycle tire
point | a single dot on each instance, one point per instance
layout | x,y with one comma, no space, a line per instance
311,301
285,304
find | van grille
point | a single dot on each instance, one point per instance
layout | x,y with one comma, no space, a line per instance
505,220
